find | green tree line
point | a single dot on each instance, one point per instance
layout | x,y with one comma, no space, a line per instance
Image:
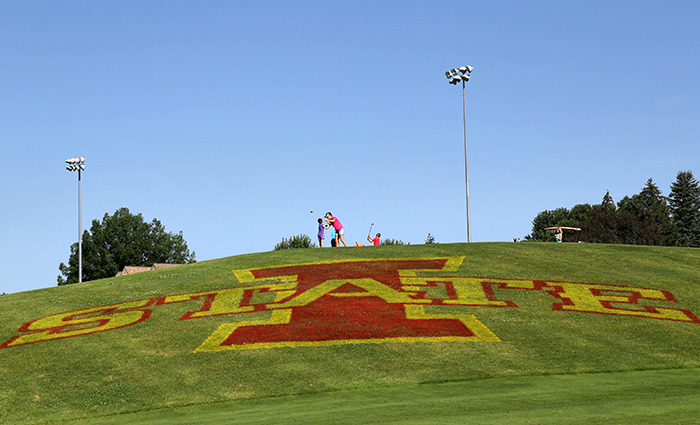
647,218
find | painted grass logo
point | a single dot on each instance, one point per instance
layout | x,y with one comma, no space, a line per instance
359,301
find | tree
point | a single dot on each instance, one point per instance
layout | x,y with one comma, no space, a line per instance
121,240
580,213
608,204
618,228
608,224
652,209
685,208
554,218
430,239
294,242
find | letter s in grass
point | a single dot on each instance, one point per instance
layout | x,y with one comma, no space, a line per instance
82,322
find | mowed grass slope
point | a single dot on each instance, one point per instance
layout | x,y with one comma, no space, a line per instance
150,370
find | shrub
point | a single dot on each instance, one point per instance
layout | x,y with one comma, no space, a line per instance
298,241
390,241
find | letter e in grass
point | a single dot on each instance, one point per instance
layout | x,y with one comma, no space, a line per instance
616,300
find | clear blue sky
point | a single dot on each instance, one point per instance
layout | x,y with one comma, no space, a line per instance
230,120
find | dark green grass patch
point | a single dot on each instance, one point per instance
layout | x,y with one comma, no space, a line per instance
642,397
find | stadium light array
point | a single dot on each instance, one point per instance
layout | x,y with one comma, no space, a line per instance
457,75
78,164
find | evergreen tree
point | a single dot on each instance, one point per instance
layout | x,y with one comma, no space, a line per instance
608,204
685,208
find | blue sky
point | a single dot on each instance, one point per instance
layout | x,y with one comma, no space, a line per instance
230,121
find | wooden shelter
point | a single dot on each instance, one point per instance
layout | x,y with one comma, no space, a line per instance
577,231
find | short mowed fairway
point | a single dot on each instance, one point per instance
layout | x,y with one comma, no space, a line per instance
484,333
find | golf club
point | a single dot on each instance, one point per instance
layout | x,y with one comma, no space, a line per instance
369,234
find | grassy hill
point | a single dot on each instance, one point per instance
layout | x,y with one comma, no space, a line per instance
449,333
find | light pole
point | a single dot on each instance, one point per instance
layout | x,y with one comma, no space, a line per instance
78,164
455,75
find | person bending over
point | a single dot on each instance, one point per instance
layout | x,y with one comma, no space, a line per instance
339,230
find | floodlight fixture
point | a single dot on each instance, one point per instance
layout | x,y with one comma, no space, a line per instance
460,78
452,73
456,75
76,167
78,164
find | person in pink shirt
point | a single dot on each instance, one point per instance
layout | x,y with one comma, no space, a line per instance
376,241
339,231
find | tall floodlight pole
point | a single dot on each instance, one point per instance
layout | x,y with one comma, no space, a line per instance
78,164
456,75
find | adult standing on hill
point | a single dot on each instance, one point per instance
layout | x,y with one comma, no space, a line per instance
339,230
560,235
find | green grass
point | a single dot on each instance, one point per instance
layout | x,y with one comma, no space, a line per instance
643,397
549,366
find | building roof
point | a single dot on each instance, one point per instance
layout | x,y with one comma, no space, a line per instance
158,266
140,269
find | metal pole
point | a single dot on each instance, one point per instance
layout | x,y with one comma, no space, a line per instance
466,163
80,235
